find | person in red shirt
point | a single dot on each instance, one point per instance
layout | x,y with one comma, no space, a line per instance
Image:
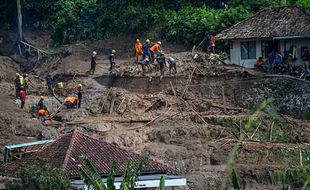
212,44
260,63
22,96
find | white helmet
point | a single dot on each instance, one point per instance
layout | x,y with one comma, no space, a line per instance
148,41
159,42
94,53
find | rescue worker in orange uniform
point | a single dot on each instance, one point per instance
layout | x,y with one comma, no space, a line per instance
42,112
154,49
71,101
138,49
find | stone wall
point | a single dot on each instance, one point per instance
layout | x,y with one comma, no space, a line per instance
291,96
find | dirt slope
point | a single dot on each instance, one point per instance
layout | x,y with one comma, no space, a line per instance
185,129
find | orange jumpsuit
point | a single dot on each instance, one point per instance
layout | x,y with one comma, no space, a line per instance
155,48
138,48
42,112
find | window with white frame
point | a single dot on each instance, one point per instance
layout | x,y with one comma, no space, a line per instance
248,50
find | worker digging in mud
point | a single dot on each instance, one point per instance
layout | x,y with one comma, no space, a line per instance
22,95
154,49
42,112
112,60
49,81
71,101
146,50
41,108
17,85
172,64
144,63
40,104
138,49
79,94
161,60
26,81
93,63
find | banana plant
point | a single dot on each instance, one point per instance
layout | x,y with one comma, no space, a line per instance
93,181
162,183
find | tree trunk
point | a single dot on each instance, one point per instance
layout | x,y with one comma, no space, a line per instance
20,20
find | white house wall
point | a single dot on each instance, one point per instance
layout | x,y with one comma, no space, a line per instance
235,52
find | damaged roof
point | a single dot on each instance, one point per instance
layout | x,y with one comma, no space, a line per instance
64,153
271,23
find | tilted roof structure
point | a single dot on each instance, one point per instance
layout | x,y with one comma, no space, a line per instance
279,22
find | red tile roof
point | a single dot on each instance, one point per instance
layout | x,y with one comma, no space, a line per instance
64,153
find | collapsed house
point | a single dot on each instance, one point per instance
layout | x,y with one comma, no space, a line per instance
64,153
271,30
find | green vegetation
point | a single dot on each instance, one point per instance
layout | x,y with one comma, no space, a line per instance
43,178
182,21
92,178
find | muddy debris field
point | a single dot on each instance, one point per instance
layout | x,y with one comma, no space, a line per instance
189,121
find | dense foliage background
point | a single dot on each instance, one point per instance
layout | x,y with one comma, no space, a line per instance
183,21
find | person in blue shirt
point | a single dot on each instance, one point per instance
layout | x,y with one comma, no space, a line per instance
277,62
146,49
305,74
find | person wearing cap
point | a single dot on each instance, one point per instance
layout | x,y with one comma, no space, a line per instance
40,104
93,63
79,94
161,60
154,49
112,60
172,65
146,49
138,49
17,85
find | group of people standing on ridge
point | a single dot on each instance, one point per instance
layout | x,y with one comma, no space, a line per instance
148,55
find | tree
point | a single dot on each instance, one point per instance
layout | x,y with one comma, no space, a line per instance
20,20
43,178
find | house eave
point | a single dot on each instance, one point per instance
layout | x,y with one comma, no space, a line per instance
252,38
290,37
